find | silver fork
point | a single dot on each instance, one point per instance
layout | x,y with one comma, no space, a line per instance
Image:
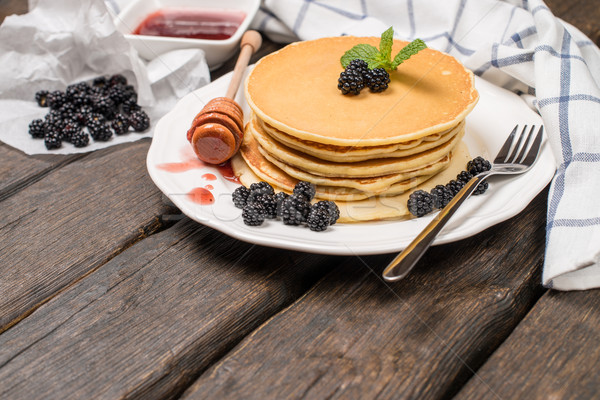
511,159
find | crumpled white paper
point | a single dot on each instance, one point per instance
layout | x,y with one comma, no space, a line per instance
59,43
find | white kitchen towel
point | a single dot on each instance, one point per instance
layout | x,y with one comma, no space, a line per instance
518,45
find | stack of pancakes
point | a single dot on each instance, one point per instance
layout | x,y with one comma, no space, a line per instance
365,152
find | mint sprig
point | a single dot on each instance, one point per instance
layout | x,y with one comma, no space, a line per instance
382,57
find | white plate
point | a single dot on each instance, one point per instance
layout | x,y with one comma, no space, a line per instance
487,127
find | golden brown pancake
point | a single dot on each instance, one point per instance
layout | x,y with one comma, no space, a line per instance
295,90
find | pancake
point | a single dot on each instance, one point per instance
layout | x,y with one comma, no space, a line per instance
353,153
368,168
359,210
295,90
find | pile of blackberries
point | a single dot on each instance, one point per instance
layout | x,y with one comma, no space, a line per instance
260,202
357,75
421,203
105,107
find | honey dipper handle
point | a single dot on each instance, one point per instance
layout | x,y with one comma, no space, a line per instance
250,43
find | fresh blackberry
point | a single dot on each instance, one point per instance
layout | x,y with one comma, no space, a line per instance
76,89
260,188
82,115
279,198
269,204
118,94
455,186
294,210
81,99
441,196
55,99
139,121
41,98
99,131
67,111
120,124
331,208
55,120
52,141
105,106
80,139
305,189
481,188
377,80
358,65
464,176
93,118
130,92
36,128
420,203
318,219
478,165
240,196
116,80
100,82
130,105
70,129
253,214
350,82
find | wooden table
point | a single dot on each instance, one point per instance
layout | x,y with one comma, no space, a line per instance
106,291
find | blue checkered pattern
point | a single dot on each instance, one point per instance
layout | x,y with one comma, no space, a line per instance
518,45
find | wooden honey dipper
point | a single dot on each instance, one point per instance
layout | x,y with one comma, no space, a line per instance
218,129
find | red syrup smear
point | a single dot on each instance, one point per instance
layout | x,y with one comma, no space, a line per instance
181,166
209,177
201,196
226,172
209,187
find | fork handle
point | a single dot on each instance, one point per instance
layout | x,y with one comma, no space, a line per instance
406,260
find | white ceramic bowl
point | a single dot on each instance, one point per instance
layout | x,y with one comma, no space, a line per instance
149,47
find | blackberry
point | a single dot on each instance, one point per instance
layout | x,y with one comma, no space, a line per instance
377,80
269,204
455,186
82,115
116,80
358,65
105,106
93,118
70,130
441,196
81,99
55,99
478,165
75,90
279,198
54,120
294,210
36,128
305,189
52,141
139,121
350,82
331,208
80,139
99,131
318,219
100,82
464,176
259,188
420,203
253,214
118,94
130,105
41,98
120,124
481,188
240,196
67,111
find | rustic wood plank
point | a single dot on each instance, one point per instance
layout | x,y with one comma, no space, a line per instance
583,14
9,7
553,354
66,225
151,319
353,336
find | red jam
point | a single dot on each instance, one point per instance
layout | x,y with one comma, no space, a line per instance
191,23
201,196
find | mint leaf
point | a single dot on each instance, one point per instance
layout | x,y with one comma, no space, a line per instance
362,51
408,51
385,44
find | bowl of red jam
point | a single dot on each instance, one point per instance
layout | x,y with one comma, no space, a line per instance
155,27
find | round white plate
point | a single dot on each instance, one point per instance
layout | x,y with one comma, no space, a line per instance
496,114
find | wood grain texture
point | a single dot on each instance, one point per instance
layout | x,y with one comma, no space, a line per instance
584,14
66,225
553,354
151,319
354,337
9,7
